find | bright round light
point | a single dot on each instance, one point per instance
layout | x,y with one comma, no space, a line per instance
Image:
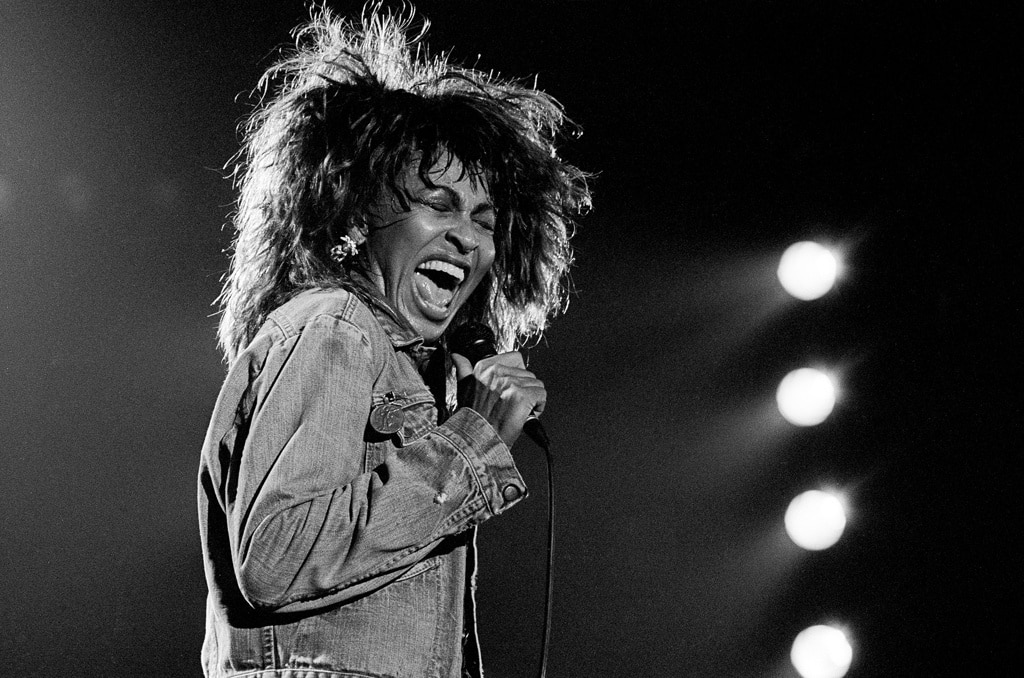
821,652
815,520
806,397
807,270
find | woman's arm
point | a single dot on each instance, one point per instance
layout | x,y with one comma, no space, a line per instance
308,526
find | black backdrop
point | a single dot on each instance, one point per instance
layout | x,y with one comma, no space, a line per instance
721,132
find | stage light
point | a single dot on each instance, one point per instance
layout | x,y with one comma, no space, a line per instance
815,520
821,652
806,397
807,270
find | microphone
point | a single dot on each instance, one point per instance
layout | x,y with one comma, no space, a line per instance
474,342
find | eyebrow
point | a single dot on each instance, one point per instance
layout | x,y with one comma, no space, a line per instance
453,195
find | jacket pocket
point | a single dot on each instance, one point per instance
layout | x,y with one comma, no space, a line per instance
407,416
419,568
396,418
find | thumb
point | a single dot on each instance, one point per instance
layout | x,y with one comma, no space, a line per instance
463,368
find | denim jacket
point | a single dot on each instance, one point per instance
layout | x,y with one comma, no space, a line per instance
337,514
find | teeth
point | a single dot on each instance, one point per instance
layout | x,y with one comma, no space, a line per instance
443,266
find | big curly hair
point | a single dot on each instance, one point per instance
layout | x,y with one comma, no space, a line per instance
342,118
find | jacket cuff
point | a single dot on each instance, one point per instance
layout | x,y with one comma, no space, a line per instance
488,456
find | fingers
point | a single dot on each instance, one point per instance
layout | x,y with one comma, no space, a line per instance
463,368
503,391
519,396
510,359
505,378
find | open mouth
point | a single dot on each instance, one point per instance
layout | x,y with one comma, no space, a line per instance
437,282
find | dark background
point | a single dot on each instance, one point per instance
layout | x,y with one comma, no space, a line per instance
721,132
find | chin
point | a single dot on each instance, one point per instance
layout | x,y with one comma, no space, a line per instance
430,328
430,334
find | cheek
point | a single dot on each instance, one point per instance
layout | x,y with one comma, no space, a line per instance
376,248
486,263
487,255
387,254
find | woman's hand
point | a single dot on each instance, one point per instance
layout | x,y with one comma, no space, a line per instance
501,390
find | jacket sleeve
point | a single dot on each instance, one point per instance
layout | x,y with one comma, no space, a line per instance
308,526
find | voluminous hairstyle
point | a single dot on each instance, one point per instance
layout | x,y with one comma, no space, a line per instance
341,121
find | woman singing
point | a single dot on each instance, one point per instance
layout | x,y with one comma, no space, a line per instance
385,198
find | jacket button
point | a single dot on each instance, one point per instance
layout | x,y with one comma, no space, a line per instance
510,493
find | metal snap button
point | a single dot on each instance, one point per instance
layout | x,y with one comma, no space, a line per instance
510,493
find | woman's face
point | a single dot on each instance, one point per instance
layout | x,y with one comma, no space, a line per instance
429,259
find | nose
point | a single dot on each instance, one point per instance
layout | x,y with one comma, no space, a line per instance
464,235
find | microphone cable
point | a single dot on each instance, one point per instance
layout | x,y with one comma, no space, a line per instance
545,643
475,341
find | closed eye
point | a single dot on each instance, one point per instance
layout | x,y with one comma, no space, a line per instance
484,217
435,205
444,200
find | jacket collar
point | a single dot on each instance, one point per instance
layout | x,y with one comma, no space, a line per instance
398,329
404,338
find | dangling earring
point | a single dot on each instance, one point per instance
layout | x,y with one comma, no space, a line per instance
345,249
